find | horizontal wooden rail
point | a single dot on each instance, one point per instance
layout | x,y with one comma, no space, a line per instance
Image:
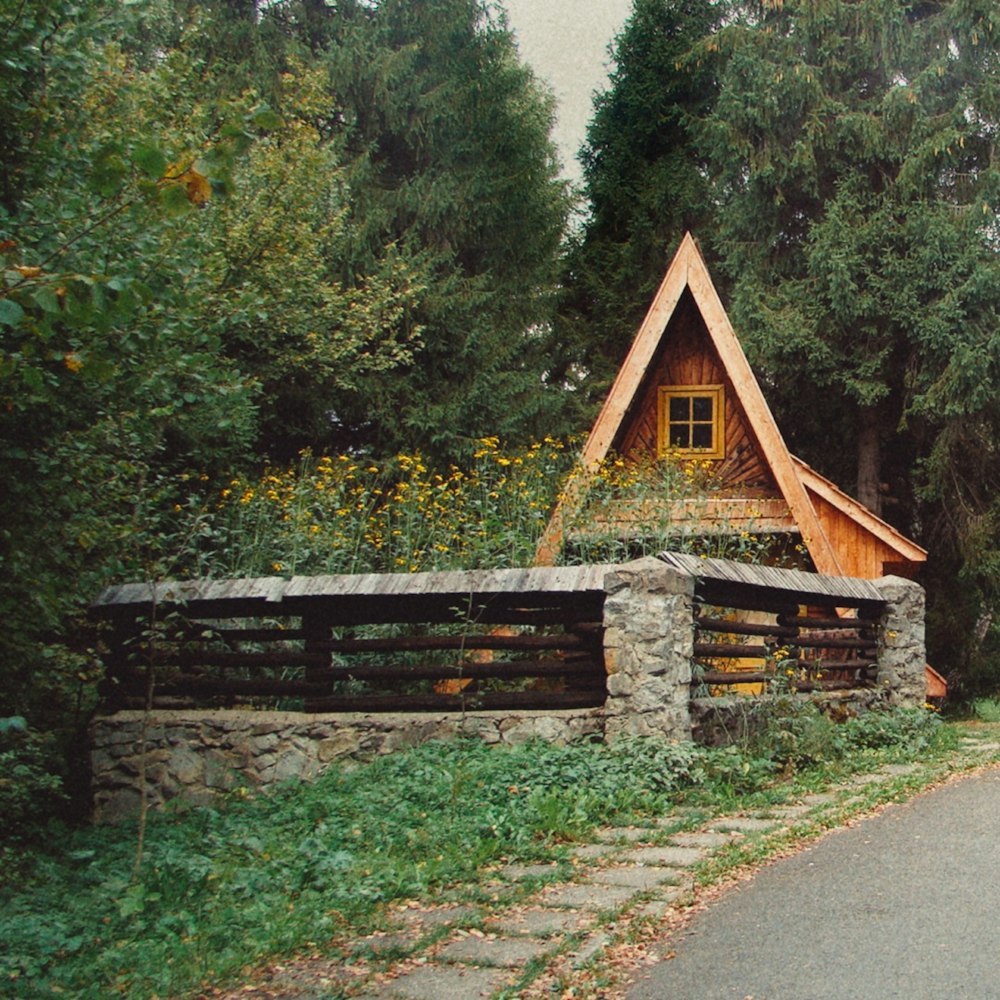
418,643
744,628
833,622
388,672
234,658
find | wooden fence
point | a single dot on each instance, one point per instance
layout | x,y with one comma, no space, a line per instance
424,642
760,628
507,640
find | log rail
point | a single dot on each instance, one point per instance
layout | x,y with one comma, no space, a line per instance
821,633
425,642
516,639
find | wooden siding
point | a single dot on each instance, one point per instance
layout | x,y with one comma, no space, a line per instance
861,553
712,516
866,545
687,357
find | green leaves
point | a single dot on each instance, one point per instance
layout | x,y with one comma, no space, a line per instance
11,313
267,119
151,160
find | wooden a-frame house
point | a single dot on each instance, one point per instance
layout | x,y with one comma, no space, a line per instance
686,389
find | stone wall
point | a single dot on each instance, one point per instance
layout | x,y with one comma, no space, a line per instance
648,648
195,756
901,650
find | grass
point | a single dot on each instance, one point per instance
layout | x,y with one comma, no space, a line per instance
223,889
985,710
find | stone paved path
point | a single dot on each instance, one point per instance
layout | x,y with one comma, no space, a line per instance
546,922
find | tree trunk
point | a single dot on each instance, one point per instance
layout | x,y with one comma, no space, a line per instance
869,460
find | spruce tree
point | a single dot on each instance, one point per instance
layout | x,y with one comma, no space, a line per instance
644,180
851,156
451,165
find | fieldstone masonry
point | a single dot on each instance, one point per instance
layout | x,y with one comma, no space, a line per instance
901,650
648,645
196,755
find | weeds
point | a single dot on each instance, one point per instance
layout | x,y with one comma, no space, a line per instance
342,514
222,889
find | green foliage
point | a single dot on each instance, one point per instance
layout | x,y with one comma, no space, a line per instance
986,709
644,181
851,154
342,514
837,158
638,508
30,782
449,161
223,888
850,151
915,729
790,735
230,231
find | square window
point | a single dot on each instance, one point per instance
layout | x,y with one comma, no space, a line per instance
701,408
692,420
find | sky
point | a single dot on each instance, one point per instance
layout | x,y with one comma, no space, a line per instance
566,43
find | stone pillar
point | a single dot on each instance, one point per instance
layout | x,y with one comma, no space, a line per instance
901,653
648,646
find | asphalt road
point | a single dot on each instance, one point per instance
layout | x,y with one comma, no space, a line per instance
903,905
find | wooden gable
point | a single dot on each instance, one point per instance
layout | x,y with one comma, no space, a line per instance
686,356
868,547
686,339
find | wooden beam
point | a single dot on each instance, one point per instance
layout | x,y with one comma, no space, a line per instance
761,420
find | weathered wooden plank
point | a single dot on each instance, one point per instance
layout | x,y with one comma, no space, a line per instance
744,628
796,582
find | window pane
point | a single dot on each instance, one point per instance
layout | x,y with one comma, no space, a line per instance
702,408
701,435
680,408
680,436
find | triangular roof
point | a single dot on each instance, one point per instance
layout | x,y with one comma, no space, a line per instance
688,273
819,486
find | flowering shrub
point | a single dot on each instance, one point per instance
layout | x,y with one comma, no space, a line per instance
344,514
347,514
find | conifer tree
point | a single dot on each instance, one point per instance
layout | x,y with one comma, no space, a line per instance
847,153
851,151
450,164
644,179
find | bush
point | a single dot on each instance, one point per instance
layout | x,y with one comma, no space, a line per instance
31,785
914,729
